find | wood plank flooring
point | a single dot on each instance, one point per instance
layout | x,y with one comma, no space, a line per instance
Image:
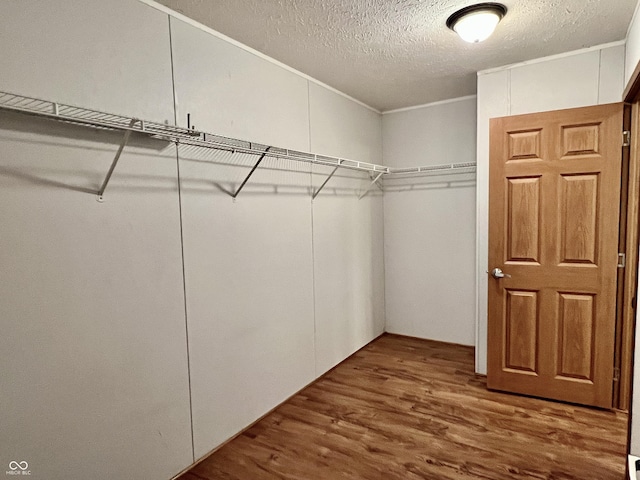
404,408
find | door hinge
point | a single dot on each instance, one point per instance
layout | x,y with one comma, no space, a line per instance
622,260
616,374
626,138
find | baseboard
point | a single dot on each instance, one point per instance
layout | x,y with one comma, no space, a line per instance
402,335
633,467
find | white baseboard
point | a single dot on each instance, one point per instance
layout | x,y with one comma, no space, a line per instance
633,469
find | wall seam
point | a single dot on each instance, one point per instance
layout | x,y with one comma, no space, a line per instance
624,64
313,248
384,266
509,94
184,277
599,76
384,237
477,251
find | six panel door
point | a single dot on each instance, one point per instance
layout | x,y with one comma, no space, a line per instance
554,205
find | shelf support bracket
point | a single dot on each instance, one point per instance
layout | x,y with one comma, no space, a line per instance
244,182
375,180
123,144
315,194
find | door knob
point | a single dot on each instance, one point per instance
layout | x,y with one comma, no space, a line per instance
497,273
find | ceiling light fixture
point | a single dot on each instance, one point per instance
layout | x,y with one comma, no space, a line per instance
476,23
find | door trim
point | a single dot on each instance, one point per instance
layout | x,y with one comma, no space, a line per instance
627,287
632,95
632,91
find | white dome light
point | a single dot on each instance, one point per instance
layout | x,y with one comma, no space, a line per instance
476,23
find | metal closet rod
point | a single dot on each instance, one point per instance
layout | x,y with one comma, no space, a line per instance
189,136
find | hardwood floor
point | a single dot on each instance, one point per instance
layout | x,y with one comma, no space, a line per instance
404,408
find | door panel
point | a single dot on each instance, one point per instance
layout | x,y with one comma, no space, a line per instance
579,219
521,335
554,208
524,145
576,331
524,219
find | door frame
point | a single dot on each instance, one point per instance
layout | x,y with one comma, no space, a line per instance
627,277
631,96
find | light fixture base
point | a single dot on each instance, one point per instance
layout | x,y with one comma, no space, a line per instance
476,23
498,8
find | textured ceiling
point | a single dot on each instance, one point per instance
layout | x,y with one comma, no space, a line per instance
396,53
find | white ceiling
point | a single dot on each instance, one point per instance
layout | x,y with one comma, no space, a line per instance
397,53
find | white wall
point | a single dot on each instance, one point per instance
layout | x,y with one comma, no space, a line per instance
99,364
577,79
232,92
248,263
348,232
93,365
107,61
632,54
261,295
429,223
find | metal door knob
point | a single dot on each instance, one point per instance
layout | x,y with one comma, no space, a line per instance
498,273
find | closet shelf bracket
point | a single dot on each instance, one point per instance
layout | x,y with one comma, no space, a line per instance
315,194
255,167
114,163
375,181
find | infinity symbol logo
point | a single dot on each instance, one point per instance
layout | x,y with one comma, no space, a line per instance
13,465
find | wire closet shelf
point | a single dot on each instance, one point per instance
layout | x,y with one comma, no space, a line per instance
189,136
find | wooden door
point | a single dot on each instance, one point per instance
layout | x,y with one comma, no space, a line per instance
554,203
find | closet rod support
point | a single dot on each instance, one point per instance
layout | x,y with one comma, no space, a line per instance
315,194
123,144
375,181
244,182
